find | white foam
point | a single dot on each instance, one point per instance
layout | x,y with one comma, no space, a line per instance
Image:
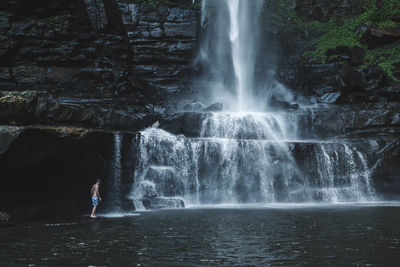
297,205
117,215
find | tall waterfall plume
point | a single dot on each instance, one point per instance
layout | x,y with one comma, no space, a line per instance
229,50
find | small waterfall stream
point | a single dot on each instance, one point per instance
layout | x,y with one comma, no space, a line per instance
115,192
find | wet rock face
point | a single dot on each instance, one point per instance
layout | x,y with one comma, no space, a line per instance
7,135
163,203
370,120
376,36
324,121
135,53
387,170
17,106
163,39
186,123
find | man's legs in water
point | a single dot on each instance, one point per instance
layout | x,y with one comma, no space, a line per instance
93,215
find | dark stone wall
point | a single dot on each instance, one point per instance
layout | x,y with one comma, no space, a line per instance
99,63
47,172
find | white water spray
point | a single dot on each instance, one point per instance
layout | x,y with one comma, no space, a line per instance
242,38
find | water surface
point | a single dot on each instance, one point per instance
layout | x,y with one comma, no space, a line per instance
356,234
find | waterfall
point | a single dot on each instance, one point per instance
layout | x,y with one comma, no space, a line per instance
222,169
229,50
245,156
114,193
242,38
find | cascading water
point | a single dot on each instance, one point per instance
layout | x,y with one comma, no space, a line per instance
245,157
114,193
250,169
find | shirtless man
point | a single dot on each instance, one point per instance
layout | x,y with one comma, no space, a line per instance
95,197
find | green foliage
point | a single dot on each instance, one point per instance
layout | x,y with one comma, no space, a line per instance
385,57
332,37
285,12
345,31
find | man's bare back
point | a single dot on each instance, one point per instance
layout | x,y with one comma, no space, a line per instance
95,190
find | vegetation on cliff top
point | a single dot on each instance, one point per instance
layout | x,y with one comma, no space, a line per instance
348,30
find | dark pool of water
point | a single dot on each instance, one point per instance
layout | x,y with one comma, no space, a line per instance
359,235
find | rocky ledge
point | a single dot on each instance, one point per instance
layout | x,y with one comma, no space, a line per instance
318,121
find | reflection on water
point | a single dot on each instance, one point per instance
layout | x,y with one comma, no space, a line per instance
356,234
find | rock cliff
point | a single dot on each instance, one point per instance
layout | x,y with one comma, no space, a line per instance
97,63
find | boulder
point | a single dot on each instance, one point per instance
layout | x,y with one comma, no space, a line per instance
356,54
323,89
390,92
353,80
195,106
396,17
186,123
4,219
164,203
330,98
7,135
17,106
386,178
214,107
146,190
377,36
146,193
375,77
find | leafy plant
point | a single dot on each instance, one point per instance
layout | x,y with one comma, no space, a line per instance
345,31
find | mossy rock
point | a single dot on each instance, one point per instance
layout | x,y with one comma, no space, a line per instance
17,107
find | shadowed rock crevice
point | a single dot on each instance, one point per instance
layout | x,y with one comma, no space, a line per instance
48,171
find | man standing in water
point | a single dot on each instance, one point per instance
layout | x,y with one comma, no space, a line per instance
95,197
